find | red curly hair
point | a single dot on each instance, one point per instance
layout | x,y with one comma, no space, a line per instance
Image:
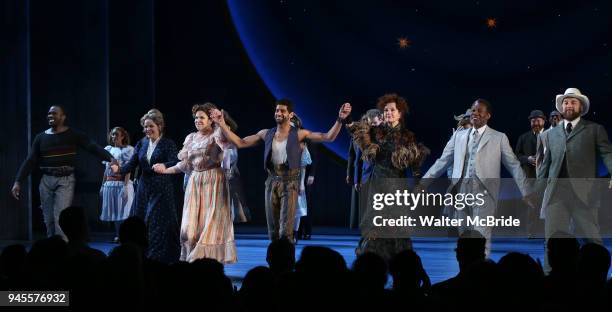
400,103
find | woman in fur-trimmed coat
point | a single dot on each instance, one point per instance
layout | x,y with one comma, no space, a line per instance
392,149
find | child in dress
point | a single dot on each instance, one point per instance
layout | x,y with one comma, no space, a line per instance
117,191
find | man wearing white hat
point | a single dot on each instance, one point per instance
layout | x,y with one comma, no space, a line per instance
569,168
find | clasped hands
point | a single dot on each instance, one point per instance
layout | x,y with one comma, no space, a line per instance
158,168
217,117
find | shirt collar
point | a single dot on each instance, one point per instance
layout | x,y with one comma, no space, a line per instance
574,123
151,142
480,130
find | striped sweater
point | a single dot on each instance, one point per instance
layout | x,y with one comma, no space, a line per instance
57,150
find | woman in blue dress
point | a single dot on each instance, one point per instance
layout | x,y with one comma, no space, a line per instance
155,200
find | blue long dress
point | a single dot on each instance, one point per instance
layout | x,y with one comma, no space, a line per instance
155,200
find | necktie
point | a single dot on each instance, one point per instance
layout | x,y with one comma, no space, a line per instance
568,128
469,169
475,137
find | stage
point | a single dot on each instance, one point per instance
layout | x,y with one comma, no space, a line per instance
437,254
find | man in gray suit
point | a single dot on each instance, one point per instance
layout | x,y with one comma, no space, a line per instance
569,168
476,156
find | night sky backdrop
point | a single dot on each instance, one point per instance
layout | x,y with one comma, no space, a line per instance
440,55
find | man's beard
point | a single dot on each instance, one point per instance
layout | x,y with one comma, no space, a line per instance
280,121
571,115
537,128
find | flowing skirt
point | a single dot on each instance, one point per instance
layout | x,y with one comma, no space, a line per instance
207,230
116,202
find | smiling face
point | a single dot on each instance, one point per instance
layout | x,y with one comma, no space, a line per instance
571,108
391,114
151,129
117,138
480,115
537,124
282,114
202,122
56,117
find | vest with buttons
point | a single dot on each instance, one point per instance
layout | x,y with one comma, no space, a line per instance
469,166
294,154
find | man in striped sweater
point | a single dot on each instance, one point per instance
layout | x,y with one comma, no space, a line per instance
54,153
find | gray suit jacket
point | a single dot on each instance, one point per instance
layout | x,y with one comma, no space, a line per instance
493,150
541,148
580,148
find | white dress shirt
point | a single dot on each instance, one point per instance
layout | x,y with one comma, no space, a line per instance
151,148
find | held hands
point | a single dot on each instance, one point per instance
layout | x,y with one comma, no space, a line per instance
114,168
160,168
16,190
532,200
310,180
345,111
217,117
532,160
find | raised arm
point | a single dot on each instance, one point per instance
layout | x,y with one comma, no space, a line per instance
251,140
330,135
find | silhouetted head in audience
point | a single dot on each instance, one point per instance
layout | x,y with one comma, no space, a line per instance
45,260
207,267
470,249
73,223
594,263
408,273
12,260
281,255
125,275
133,230
482,278
321,264
217,286
257,283
520,271
370,270
562,249
48,250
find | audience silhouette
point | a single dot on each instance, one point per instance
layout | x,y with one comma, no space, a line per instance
320,279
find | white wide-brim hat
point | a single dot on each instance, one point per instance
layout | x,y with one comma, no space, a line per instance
573,93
